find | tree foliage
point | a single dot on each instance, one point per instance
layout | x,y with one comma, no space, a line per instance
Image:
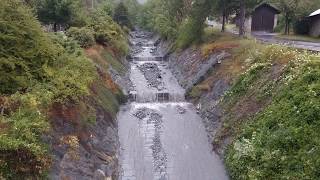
37,70
294,10
25,50
84,36
121,15
61,12
108,32
181,20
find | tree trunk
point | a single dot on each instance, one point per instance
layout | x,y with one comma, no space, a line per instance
242,18
55,27
286,25
223,16
223,23
288,33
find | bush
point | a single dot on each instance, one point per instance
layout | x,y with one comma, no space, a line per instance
25,49
72,73
84,36
36,70
23,155
107,32
188,33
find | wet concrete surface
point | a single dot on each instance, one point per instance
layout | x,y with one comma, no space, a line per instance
162,140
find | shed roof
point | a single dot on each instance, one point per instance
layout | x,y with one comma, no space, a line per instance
317,12
270,6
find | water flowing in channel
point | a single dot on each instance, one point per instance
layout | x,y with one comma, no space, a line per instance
161,135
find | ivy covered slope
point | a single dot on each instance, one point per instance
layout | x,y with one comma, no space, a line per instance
41,73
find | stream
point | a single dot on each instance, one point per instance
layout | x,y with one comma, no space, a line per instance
161,135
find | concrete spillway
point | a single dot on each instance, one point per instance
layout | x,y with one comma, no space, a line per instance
161,135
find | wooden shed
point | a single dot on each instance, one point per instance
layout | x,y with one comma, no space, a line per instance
264,18
315,23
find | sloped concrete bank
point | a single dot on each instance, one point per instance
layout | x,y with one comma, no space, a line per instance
84,152
190,67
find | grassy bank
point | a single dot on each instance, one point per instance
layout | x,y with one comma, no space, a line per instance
270,115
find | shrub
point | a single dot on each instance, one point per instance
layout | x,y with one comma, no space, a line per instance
72,73
25,49
188,33
84,36
195,92
107,32
22,152
37,70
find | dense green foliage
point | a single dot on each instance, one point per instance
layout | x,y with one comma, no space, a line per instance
281,141
25,50
155,15
84,36
107,32
38,70
178,20
192,27
121,15
134,9
61,12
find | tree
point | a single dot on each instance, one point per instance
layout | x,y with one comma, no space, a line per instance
242,18
222,9
288,8
193,26
133,9
293,10
59,12
121,15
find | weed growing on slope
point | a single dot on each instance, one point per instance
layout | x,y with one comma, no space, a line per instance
281,141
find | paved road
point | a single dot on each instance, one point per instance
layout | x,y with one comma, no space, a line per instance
271,39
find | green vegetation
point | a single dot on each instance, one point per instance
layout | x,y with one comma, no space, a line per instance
39,71
25,49
61,12
178,20
121,15
116,64
293,13
107,32
271,112
281,141
84,36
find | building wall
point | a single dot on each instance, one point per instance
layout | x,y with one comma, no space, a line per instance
275,21
247,24
263,19
315,28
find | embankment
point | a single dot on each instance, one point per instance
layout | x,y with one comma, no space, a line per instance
90,150
257,102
